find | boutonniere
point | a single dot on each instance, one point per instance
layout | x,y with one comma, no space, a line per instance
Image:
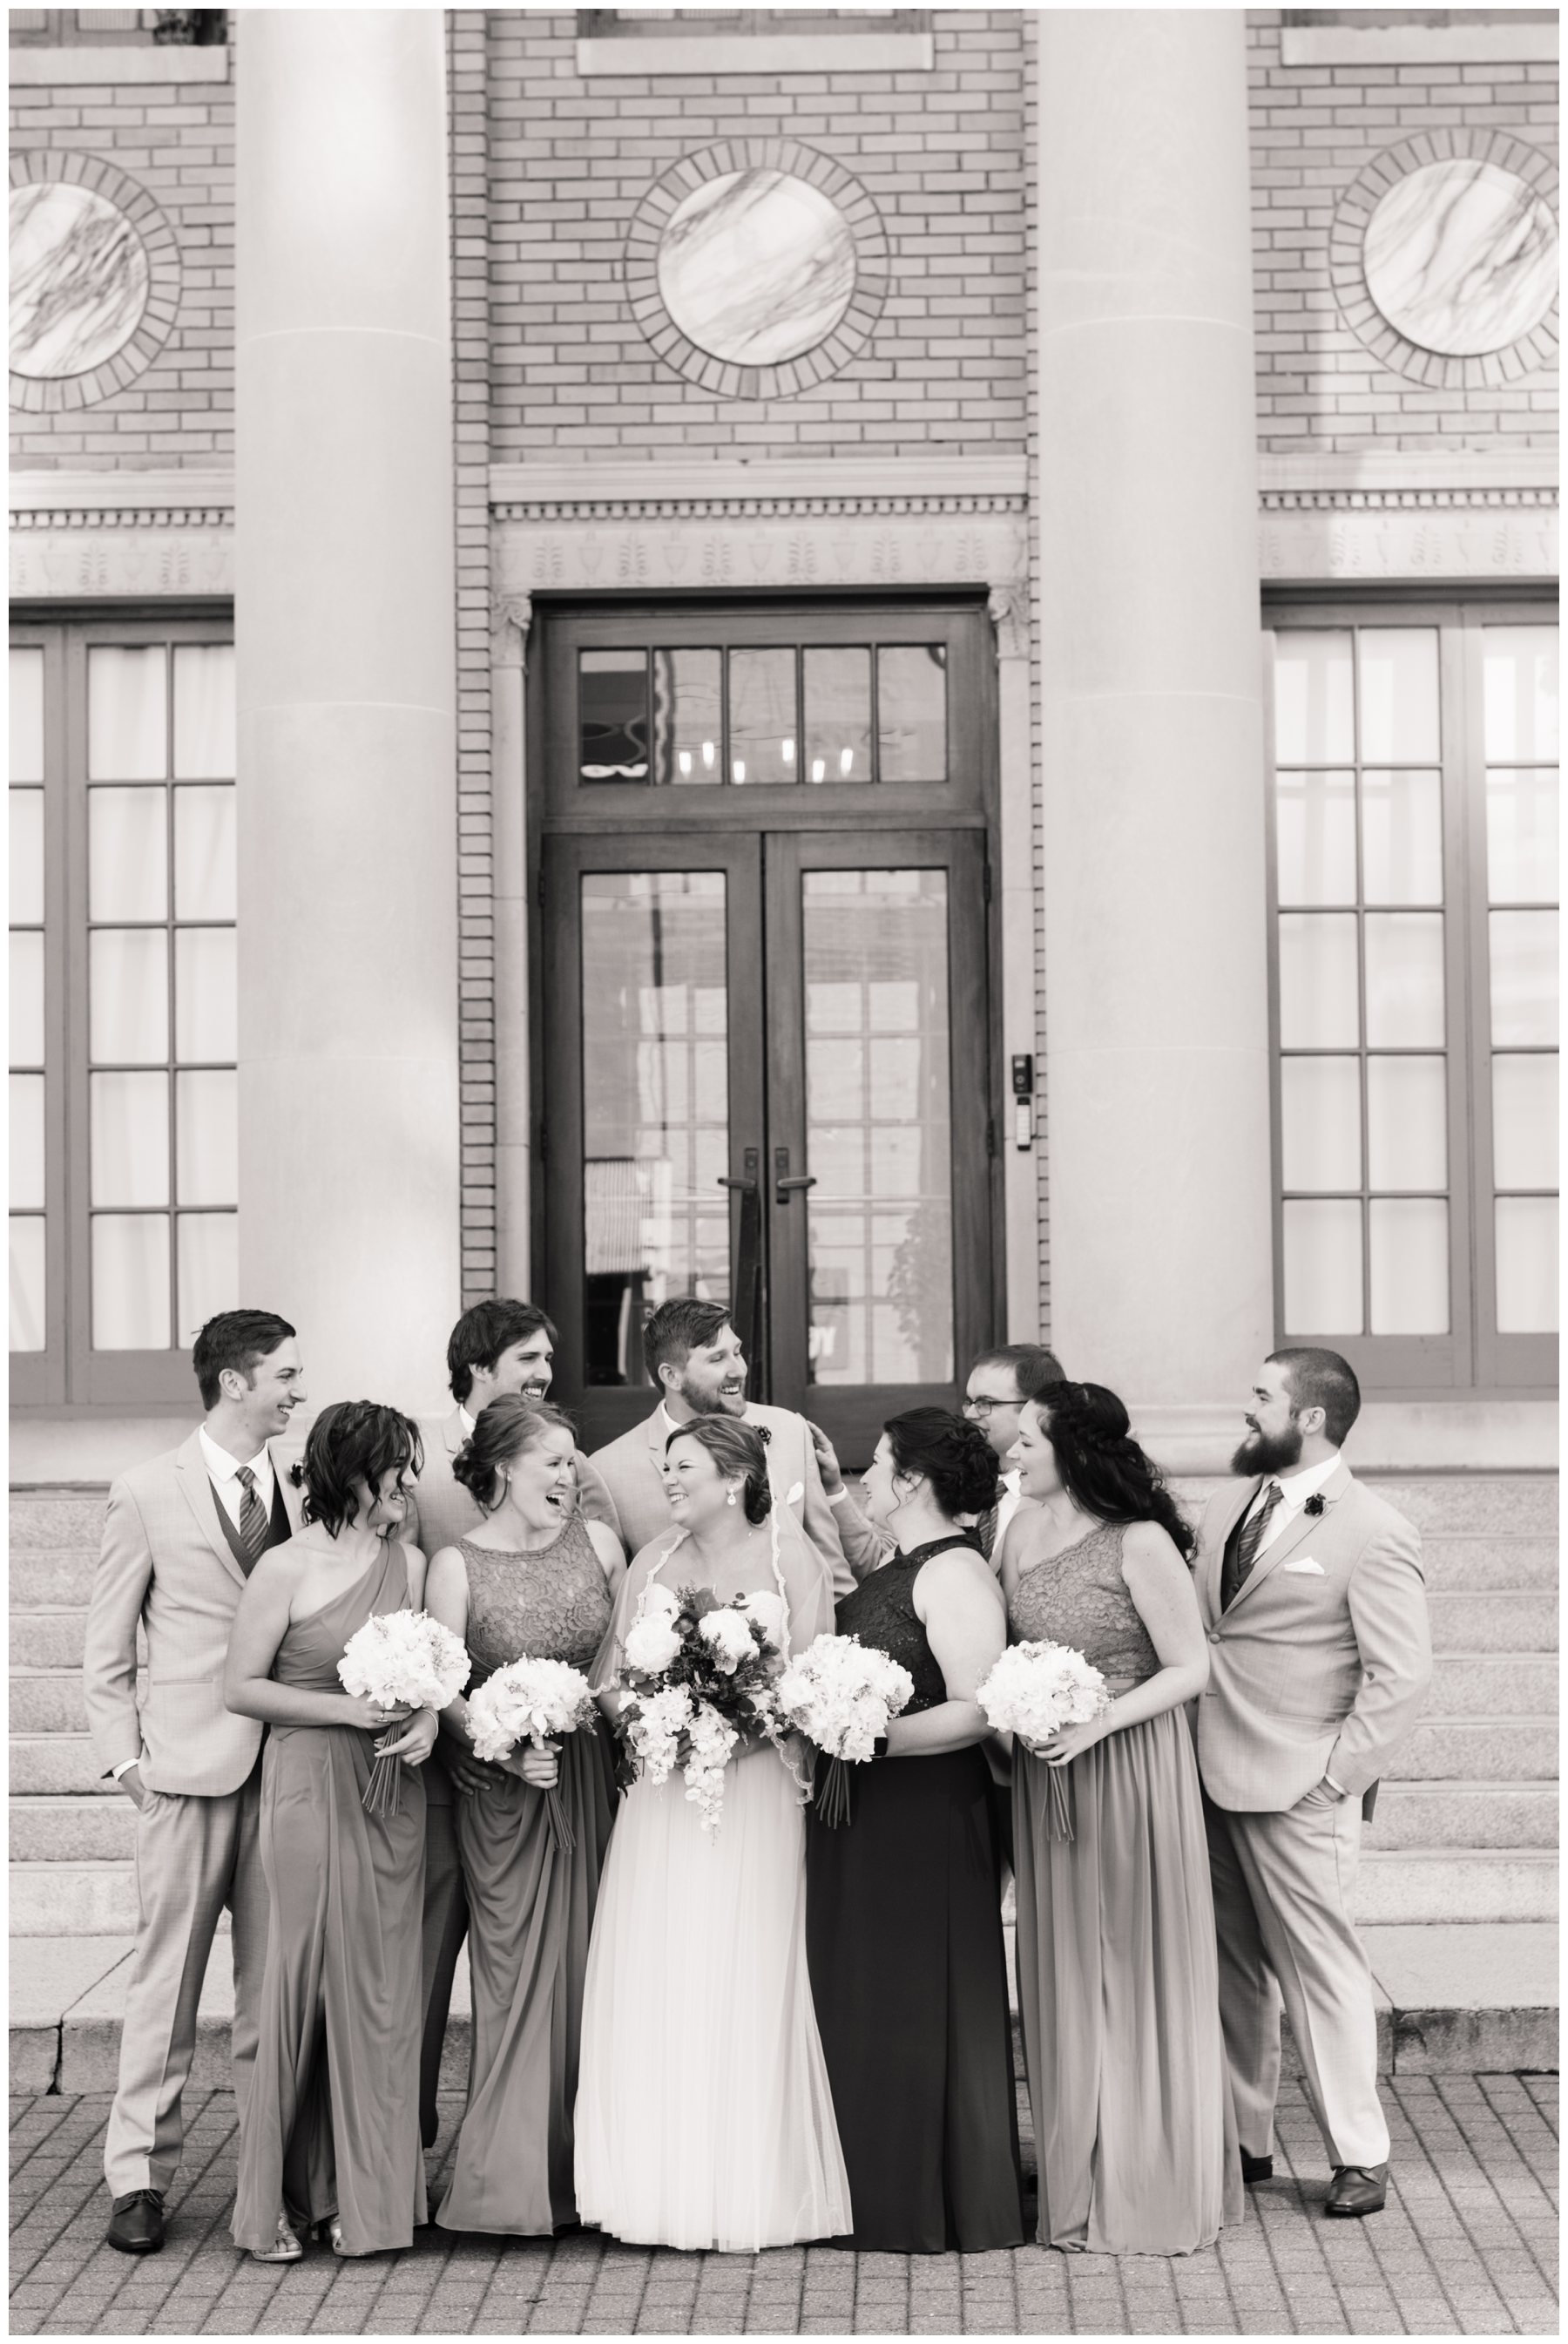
296,1475
1314,1505
764,1434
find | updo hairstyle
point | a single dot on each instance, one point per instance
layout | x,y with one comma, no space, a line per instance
1104,1469
735,1448
957,1459
354,1441
503,1428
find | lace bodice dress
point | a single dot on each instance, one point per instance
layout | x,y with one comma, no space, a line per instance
1079,1597
552,1605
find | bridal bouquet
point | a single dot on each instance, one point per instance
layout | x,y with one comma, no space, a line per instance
531,1701
697,1676
1036,1689
400,1660
840,1694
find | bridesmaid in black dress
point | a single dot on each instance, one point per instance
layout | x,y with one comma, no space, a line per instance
904,1926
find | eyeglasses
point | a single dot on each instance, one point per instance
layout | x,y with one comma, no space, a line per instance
983,1404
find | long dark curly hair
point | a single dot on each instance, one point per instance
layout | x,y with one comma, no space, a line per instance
1104,1469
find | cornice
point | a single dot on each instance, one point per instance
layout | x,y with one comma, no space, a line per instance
166,499
723,485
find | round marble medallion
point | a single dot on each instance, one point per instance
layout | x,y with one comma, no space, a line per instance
1460,257
79,279
757,267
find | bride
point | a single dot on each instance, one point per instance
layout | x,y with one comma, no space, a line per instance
704,2116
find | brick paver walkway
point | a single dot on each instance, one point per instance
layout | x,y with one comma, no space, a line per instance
1467,2246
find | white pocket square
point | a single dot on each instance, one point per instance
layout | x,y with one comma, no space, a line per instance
1304,1562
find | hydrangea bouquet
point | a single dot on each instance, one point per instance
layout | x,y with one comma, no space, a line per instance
840,1694
532,1701
1036,1689
400,1660
697,1674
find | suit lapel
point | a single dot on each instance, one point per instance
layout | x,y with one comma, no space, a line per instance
1295,1536
1214,1566
453,1433
191,1473
293,1497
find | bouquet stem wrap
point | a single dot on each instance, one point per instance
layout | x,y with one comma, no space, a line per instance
832,1800
383,1791
562,1835
1061,1820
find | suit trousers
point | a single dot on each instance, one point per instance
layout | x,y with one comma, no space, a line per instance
1283,1886
194,1857
446,1926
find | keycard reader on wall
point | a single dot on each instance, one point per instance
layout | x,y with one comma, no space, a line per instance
1023,1102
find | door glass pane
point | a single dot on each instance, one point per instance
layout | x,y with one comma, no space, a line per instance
1320,1122
1324,1268
912,712
204,712
1522,835
1399,696
27,1142
1524,977
208,1269
1409,1264
204,854
28,1295
206,1138
612,716
130,1149
127,716
878,1125
127,854
27,1000
130,1282
688,716
837,714
1526,1228
655,1104
1407,1123
1525,1121
1404,979
206,996
1318,997
1520,670
27,855
764,737
1401,838
1313,698
27,685
128,992
1316,837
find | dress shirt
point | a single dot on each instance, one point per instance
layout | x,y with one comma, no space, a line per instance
1294,1489
468,1421
223,1472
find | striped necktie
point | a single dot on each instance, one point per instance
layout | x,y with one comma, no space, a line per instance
253,1522
1247,1545
985,1531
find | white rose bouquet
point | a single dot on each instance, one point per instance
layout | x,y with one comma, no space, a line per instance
400,1660
532,1701
1036,1689
697,1676
840,1694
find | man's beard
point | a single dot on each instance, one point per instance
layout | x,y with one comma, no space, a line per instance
1259,1454
712,1403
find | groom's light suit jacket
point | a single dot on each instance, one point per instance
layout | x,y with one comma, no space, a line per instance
1322,1663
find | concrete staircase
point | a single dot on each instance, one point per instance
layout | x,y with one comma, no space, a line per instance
1465,1830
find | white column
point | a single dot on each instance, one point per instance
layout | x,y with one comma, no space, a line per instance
1156,986
509,816
349,1188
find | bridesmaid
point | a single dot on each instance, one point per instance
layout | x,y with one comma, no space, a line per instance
1118,1983
904,1925
535,1578
332,2131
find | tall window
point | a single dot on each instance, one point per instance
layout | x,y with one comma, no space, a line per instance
1414,822
135,795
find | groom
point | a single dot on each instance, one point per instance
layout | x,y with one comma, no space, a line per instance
1313,1597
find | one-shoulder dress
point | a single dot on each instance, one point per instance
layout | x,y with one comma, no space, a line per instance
332,2125
1117,1976
530,1904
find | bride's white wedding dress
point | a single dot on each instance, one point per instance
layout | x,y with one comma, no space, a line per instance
704,2116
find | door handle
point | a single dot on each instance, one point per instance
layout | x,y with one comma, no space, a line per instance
751,1167
784,1180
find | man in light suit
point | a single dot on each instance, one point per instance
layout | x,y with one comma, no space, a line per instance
694,1356
182,1535
498,1346
1314,1604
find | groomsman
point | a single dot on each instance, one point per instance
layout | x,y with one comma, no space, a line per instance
694,1359
182,1534
498,1346
1320,1654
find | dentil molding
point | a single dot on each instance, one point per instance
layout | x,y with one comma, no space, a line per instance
121,535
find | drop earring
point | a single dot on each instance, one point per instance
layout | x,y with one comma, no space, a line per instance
730,1500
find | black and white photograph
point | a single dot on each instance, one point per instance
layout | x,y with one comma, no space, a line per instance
784,1289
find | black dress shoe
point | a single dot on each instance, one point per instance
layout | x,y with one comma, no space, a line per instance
1358,2189
1256,2168
137,2225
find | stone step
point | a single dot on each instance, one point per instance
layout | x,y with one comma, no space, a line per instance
55,1830
56,1520
43,1582
1490,1684
47,1640
1431,1817
95,1899
1469,1565
1467,1503
47,1701
45,1766
1478,1750
1515,1619
1473,1884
